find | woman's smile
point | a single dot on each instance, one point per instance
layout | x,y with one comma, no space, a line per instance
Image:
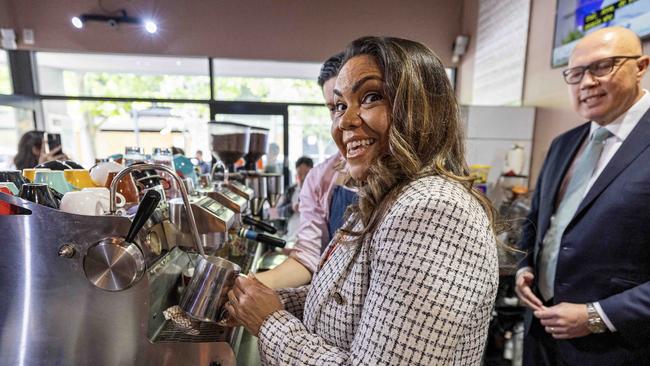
358,147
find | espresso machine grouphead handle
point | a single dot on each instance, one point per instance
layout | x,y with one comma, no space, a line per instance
147,207
115,264
271,240
260,225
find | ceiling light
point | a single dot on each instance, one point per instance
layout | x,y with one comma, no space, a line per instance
150,26
77,22
114,20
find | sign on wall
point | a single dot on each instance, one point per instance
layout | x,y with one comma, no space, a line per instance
500,59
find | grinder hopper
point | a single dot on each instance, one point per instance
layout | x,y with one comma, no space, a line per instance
229,141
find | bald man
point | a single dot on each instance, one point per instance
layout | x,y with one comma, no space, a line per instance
586,278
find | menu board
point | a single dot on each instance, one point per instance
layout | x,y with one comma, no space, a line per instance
500,57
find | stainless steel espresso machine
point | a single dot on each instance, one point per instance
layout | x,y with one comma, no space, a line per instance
83,290
230,142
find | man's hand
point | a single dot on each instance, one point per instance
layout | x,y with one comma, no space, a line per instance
524,281
565,320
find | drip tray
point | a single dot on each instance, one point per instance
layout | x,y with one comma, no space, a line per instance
208,332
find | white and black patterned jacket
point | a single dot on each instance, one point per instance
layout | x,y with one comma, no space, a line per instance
419,292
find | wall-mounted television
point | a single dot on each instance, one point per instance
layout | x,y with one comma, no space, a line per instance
575,18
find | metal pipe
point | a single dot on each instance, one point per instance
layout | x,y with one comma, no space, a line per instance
179,184
225,170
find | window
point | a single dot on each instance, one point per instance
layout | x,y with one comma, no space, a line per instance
310,134
5,75
266,81
103,75
14,122
98,129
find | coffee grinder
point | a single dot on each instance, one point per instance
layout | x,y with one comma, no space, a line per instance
253,179
229,141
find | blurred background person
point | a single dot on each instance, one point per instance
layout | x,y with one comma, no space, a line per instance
31,151
177,151
204,167
272,164
289,207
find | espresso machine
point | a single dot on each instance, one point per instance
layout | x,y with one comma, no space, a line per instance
83,289
259,189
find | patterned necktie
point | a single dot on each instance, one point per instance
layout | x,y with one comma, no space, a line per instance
575,192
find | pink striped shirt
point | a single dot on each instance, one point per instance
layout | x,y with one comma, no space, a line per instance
315,196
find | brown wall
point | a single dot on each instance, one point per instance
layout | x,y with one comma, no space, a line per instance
5,19
466,66
543,85
302,30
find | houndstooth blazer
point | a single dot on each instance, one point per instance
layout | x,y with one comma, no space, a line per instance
418,292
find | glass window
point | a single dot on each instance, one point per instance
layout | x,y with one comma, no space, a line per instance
104,75
266,81
310,134
5,75
98,129
14,122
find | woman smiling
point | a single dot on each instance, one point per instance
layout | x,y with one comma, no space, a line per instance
412,276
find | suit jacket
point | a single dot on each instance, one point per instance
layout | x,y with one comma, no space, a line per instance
419,291
604,253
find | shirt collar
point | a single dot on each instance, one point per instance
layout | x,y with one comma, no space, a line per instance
625,123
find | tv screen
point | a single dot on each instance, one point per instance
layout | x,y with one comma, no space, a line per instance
575,18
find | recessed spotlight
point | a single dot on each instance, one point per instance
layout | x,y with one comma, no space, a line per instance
150,26
76,21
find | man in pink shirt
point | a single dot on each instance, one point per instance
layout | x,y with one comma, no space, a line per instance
315,199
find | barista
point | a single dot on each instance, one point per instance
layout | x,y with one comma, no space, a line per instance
319,206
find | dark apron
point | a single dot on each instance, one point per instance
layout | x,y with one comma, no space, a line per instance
341,199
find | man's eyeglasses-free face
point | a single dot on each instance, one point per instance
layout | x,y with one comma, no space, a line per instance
600,67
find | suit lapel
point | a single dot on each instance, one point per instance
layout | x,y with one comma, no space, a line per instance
566,154
561,160
634,144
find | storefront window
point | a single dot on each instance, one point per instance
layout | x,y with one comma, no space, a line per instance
5,76
104,75
310,134
266,81
93,130
14,122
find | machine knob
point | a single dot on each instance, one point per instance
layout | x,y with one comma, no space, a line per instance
113,264
66,251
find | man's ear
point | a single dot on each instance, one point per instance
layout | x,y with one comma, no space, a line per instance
642,66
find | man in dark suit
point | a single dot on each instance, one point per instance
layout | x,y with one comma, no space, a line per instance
586,277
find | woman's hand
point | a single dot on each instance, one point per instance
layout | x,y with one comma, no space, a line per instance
55,154
250,302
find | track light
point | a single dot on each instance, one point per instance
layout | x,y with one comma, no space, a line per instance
77,22
113,21
150,26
